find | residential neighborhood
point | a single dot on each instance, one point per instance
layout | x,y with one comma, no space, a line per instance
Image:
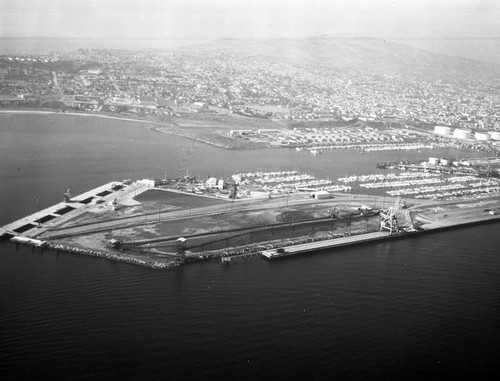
227,82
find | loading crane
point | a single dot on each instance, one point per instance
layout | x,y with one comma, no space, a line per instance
388,220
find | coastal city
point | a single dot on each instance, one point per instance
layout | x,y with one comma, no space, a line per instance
228,81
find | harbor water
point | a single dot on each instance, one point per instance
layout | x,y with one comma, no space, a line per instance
425,307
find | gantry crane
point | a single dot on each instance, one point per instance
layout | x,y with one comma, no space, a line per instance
388,220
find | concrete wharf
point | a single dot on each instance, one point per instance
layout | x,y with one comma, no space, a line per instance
39,222
326,244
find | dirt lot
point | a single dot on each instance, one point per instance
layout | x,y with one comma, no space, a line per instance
171,199
435,216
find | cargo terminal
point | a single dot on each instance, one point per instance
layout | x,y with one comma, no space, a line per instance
164,223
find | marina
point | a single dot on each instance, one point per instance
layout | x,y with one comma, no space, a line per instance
431,181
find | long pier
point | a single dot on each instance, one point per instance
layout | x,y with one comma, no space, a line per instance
326,244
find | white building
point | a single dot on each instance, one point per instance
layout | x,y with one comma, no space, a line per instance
146,182
320,194
211,182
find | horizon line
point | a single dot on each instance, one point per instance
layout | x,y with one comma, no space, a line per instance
253,38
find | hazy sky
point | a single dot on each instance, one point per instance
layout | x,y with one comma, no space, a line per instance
200,19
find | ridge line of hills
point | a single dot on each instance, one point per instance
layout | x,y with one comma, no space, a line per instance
357,53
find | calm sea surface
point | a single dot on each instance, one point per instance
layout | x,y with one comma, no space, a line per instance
419,308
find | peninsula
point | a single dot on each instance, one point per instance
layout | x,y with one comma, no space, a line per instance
163,223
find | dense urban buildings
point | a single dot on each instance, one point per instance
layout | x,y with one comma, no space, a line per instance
225,80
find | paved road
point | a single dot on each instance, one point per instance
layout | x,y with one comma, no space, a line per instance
236,207
355,200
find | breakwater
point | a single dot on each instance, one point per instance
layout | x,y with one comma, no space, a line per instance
110,256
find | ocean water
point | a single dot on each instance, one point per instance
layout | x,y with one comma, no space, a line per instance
424,307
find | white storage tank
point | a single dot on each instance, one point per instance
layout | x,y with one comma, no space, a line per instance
442,130
461,133
483,136
495,135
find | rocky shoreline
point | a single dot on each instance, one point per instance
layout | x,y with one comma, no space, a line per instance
59,247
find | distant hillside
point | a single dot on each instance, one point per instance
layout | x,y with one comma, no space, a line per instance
363,54
478,49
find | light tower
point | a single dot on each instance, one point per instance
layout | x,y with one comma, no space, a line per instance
67,196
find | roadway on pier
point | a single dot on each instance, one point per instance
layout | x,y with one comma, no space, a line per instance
229,208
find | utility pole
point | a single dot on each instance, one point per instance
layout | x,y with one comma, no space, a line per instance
227,237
